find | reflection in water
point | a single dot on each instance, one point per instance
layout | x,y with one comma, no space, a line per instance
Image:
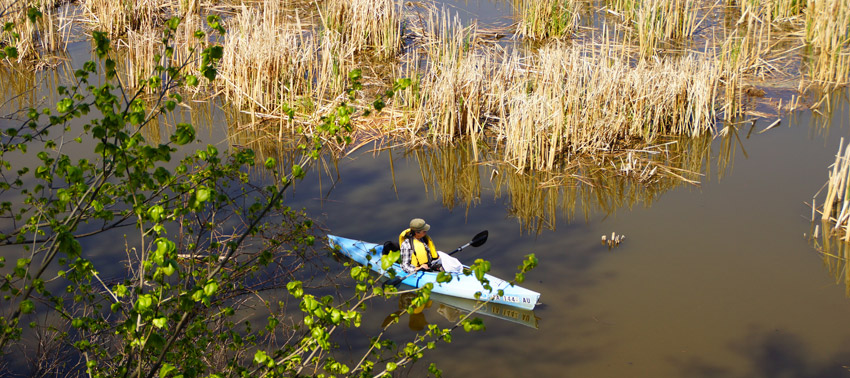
456,309
836,253
604,183
22,88
416,321
835,217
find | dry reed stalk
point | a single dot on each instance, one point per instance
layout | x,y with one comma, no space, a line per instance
269,62
451,99
117,17
773,11
657,20
540,19
573,100
141,44
35,39
828,35
364,25
837,200
758,49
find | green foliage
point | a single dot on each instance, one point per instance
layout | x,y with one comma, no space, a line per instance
190,273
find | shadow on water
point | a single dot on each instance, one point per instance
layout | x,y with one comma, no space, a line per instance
772,353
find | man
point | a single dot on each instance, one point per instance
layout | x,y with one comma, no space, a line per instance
417,248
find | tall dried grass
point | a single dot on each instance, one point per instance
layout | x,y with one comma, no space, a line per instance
836,204
828,36
541,19
270,62
449,96
657,20
117,17
573,100
360,25
835,217
37,37
138,46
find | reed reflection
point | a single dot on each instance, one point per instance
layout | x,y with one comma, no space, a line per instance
835,252
581,187
832,235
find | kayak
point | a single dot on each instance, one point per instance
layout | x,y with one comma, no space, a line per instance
461,286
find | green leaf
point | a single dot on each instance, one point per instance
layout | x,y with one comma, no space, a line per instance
210,288
64,105
260,357
166,369
144,302
160,322
297,171
295,288
11,52
27,306
155,213
120,290
389,259
33,14
184,134
173,23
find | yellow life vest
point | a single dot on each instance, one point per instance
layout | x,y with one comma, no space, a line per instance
419,256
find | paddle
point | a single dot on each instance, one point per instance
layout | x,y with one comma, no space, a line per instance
476,241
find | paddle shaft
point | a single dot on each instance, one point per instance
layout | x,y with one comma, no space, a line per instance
476,241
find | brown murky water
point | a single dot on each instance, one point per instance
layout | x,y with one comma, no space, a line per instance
712,280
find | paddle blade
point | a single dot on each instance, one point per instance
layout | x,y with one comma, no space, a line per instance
479,239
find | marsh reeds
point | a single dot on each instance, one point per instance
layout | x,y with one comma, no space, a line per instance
361,25
574,100
653,21
38,35
541,19
836,204
117,17
828,39
835,217
269,63
449,99
674,68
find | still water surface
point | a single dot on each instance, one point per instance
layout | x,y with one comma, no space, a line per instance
715,280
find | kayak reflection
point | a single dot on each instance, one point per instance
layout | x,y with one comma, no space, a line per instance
454,309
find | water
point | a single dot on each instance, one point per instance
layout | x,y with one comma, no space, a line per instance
714,280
